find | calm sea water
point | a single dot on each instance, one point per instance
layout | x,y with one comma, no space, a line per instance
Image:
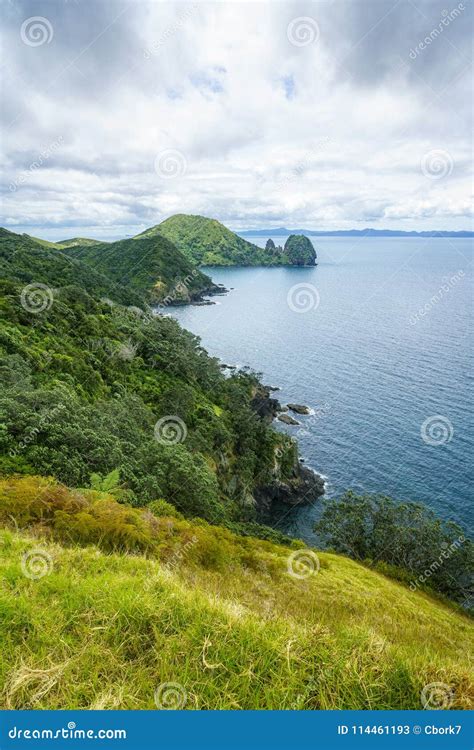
377,341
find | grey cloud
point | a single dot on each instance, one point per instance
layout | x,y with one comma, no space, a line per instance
121,81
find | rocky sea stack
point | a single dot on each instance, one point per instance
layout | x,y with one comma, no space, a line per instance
300,251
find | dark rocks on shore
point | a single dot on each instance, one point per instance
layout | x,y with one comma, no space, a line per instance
305,487
198,298
299,408
287,419
264,405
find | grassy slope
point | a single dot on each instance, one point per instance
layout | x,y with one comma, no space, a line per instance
77,241
43,243
216,613
208,242
23,259
150,265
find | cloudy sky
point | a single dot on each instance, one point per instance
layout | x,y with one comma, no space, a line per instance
321,115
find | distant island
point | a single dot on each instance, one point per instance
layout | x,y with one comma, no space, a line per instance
283,232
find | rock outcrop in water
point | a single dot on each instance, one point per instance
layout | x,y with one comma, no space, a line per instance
287,419
270,246
264,405
304,485
299,408
300,251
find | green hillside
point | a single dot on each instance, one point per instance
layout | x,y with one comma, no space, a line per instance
91,386
206,620
77,241
151,266
43,243
207,242
133,474
24,260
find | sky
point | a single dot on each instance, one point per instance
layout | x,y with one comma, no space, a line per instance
319,115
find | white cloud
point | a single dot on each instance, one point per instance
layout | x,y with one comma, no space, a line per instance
336,146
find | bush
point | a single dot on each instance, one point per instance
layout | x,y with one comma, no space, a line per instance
406,535
162,508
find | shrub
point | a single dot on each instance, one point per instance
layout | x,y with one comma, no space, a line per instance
407,535
162,508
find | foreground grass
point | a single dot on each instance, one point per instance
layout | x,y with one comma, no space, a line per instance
216,615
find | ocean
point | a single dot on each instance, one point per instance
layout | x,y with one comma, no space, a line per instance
377,341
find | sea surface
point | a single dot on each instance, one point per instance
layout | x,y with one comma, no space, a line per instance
377,341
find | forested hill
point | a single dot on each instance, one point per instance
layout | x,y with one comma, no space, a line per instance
23,260
207,242
92,387
150,266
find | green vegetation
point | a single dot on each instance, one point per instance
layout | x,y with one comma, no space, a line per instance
38,241
85,383
150,266
207,242
433,553
299,250
103,603
23,261
139,588
77,241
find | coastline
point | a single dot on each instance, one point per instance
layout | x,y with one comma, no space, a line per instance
305,485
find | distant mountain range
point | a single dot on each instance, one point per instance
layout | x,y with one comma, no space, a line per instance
283,232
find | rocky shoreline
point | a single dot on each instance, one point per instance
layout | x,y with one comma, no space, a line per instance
305,485
216,290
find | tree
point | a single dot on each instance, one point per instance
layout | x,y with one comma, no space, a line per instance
407,535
